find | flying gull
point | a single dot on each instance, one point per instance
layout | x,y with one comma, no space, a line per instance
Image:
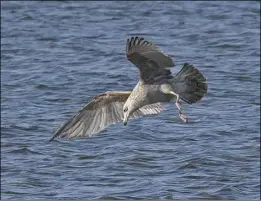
157,85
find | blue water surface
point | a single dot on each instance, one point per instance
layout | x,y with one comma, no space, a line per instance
56,56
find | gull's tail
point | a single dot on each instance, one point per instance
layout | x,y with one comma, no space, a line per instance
190,84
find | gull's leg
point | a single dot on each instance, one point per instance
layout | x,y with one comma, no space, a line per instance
177,100
178,105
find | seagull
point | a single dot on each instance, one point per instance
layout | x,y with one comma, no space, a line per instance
156,86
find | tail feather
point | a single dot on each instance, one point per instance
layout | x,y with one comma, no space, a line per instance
190,84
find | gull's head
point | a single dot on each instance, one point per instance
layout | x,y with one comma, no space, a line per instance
126,114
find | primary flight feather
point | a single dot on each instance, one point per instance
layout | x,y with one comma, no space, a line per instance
157,85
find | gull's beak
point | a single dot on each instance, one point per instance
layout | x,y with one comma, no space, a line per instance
125,121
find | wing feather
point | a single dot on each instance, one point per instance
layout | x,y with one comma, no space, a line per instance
103,110
151,109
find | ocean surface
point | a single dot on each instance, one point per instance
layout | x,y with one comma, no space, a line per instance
56,56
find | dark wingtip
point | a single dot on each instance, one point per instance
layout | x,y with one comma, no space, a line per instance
51,139
54,136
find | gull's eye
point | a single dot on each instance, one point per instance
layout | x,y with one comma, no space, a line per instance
125,109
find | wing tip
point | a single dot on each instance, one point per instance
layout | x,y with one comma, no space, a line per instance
52,138
56,134
132,41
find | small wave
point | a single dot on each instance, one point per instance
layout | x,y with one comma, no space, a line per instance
61,100
108,197
42,86
53,39
188,165
225,46
27,17
206,195
24,151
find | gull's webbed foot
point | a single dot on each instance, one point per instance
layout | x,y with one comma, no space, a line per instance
183,117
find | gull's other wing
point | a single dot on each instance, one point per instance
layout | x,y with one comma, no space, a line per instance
152,63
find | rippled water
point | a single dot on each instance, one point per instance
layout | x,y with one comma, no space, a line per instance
55,56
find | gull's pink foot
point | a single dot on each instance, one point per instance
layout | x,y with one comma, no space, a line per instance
183,117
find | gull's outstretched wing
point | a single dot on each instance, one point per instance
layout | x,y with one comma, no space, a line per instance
103,110
152,63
